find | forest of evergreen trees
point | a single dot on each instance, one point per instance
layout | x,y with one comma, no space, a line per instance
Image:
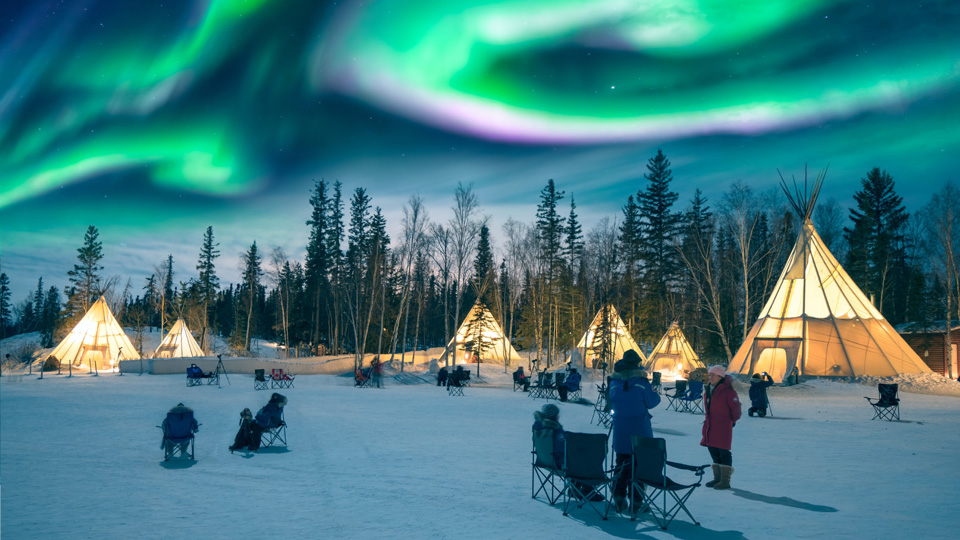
708,264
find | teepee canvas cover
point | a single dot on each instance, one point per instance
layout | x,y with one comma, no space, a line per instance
620,340
819,321
97,340
178,343
496,347
673,357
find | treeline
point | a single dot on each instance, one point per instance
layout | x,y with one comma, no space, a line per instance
711,265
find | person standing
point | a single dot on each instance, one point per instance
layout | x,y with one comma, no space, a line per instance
631,398
721,412
442,376
376,368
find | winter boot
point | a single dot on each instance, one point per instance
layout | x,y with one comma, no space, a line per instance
726,471
750,412
716,476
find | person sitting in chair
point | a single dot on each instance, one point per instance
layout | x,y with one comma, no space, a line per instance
758,394
178,409
571,383
359,377
269,417
242,439
442,376
520,378
546,427
194,372
458,376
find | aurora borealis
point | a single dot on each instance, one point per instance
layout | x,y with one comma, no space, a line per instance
152,120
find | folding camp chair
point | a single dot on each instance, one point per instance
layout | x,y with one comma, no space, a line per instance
520,383
650,470
275,436
178,437
600,411
546,476
574,392
537,389
692,400
679,390
361,378
888,406
656,384
455,384
586,478
259,380
279,379
196,377
465,378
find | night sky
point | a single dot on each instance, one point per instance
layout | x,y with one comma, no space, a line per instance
154,119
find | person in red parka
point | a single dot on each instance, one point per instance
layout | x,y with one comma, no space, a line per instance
721,412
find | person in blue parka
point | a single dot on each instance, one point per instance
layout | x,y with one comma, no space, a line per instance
631,398
758,394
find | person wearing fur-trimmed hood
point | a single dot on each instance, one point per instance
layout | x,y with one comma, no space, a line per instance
631,398
549,433
721,410
180,411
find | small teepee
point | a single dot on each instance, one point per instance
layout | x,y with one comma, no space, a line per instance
178,343
818,321
673,357
607,339
97,341
480,336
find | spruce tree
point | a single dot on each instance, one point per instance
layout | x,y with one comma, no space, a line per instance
36,321
317,261
208,283
550,228
876,258
50,317
86,273
659,225
5,312
252,272
483,263
168,294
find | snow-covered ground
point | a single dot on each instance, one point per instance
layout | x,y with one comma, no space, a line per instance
80,458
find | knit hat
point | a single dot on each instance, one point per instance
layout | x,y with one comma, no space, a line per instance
550,411
630,360
755,376
719,371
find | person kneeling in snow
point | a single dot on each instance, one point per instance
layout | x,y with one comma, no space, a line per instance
758,394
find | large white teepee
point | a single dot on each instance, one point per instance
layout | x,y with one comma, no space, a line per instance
673,357
620,340
97,340
495,348
819,321
178,343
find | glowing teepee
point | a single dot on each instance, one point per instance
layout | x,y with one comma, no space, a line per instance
97,340
818,321
618,340
480,335
673,357
178,343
